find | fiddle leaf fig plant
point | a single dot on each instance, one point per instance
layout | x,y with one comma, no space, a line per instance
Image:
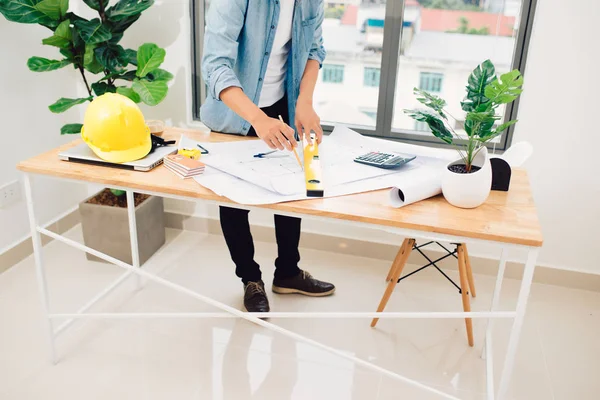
485,93
92,47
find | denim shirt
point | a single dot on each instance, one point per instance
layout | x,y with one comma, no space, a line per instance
237,44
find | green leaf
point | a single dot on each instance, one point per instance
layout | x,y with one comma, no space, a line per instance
92,31
62,36
121,25
40,64
485,116
434,122
63,104
432,101
54,9
68,54
501,128
151,93
506,89
90,62
149,57
111,56
480,124
102,87
69,129
117,192
128,92
127,8
131,56
25,12
160,75
479,79
95,4
116,38
127,76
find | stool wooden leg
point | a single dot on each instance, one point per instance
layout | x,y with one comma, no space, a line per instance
469,271
400,261
396,261
462,269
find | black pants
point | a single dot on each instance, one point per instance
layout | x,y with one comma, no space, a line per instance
236,229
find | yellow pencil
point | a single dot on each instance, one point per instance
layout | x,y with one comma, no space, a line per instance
294,149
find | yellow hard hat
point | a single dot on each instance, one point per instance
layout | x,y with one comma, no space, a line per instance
114,128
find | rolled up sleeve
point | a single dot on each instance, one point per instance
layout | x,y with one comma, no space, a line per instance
224,22
317,51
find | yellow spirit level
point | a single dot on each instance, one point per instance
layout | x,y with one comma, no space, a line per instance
194,154
312,168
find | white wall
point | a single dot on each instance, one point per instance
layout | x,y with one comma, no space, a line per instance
557,115
559,76
28,127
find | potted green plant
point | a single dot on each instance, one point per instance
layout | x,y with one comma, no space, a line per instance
92,48
467,181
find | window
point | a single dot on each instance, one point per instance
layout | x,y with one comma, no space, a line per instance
398,45
431,82
333,73
371,76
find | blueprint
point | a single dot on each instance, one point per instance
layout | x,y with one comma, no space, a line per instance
233,171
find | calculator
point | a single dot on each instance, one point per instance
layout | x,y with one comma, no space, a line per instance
384,160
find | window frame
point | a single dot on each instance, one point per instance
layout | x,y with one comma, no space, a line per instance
390,57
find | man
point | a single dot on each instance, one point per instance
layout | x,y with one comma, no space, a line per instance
261,60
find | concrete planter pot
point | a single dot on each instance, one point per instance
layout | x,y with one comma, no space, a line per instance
106,229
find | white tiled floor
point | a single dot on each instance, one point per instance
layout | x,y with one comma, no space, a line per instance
559,353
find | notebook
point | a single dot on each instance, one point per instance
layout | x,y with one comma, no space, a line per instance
182,166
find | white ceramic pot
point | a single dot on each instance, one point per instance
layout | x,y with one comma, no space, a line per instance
468,190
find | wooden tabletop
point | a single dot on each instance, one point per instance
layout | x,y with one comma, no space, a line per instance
508,217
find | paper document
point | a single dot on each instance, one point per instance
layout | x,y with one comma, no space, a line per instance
234,172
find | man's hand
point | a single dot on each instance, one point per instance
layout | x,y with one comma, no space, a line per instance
276,134
307,120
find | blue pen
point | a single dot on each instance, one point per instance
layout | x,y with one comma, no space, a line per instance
262,155
202,149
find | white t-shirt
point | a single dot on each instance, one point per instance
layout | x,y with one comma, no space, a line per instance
273,83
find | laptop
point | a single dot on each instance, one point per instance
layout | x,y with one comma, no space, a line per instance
83,154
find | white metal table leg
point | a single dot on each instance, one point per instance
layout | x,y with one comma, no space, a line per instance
39,266
133,237
488,345
496,295
515,332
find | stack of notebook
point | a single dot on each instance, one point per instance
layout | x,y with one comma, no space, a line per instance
182,166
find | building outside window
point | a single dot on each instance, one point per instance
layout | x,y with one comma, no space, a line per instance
333,73
371,76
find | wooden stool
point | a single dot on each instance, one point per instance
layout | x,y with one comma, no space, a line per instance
467,283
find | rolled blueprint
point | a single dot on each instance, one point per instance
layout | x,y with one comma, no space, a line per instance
412,192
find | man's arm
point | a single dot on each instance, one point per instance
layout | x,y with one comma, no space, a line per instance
224,22
307,119
276,134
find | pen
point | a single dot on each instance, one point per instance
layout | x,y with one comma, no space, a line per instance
261,155
204,151
294,149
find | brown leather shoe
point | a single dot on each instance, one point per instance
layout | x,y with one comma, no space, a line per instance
303,283
255,297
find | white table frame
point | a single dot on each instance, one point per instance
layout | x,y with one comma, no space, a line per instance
230,312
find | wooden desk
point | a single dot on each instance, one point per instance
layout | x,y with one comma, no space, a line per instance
507,218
